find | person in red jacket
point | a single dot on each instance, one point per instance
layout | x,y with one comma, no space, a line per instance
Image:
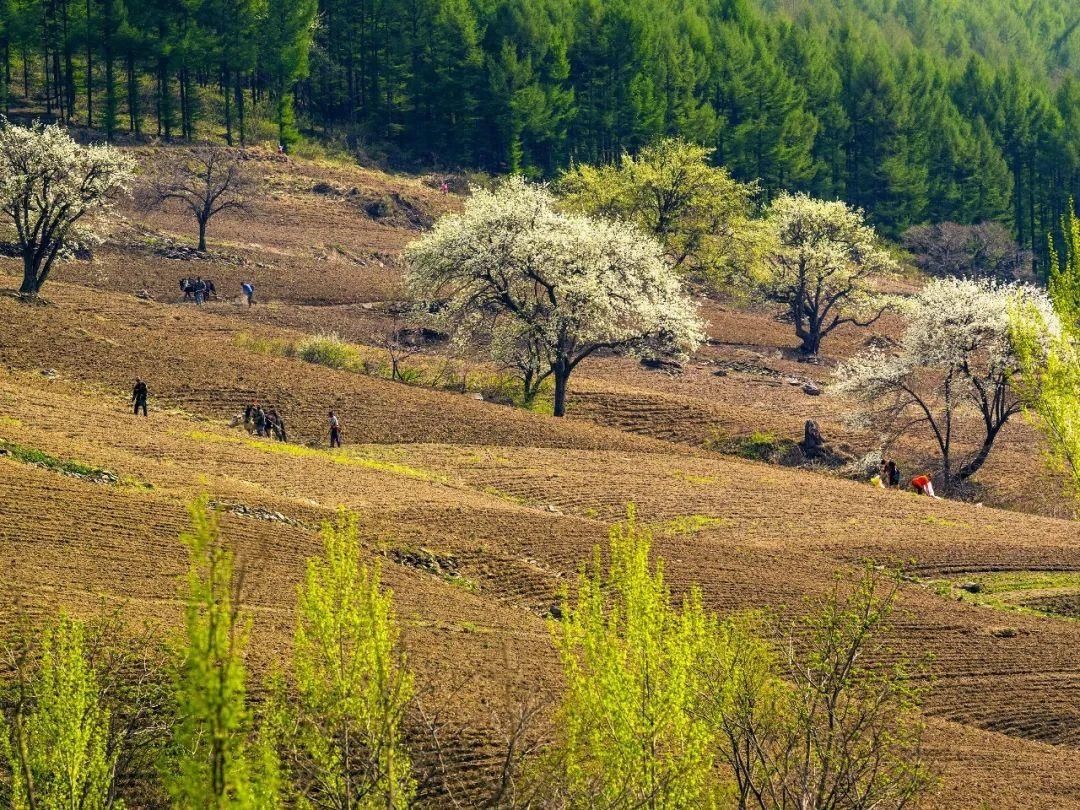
923,485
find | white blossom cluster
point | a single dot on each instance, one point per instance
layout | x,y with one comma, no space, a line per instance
960,324
957,356
550,284
48,182
822,261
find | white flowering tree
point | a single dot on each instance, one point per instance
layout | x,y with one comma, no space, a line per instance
822,265
48,185
956,364
546,289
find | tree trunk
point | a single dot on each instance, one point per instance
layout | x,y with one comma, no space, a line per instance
30,278
562,375
202,235
811,340
980,457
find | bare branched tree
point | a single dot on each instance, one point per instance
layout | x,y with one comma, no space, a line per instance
206,180
399,339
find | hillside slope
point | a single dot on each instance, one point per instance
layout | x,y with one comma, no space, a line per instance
516,519
481,512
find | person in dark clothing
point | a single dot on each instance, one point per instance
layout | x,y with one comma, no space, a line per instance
199,289
890,474
259,418
139,395
277,425
335,430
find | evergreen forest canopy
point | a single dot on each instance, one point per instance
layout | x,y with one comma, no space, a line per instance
916,110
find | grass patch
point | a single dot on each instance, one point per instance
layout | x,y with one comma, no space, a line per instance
697,480
425,371
691,524
39,458
761,445
330,351
349,456
1044,593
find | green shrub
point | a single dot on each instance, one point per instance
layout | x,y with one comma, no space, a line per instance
57,752
328,350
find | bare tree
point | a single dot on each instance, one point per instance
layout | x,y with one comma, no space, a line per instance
399,339
206,180
986,250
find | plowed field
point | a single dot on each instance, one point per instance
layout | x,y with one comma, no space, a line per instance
514,501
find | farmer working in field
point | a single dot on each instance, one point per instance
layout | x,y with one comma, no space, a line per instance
139,396
249,292
277,425
890,474
923,486
335,430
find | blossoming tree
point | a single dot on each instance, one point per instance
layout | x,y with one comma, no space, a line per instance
48,184
822,266
957,358
547,289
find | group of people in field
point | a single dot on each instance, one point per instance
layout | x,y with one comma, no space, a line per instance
197,289
889,478
200,290
266,422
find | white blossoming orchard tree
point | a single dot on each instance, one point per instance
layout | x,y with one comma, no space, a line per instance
821,267
48,184
956,362
546,289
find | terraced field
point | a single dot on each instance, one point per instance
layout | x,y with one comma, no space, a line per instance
509,502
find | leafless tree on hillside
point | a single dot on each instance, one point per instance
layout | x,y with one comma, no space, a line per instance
206,180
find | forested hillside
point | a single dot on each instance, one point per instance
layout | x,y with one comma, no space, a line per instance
930,110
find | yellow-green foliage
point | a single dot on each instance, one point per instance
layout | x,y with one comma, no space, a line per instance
666,706
673,190
211,765
329,350
1064,282
1049,362
352,685
56,750
630,733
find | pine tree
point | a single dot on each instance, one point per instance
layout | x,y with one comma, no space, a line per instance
286,40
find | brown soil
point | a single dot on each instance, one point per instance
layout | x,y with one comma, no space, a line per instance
507,504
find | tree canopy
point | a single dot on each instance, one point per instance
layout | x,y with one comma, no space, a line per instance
546,289
958,349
